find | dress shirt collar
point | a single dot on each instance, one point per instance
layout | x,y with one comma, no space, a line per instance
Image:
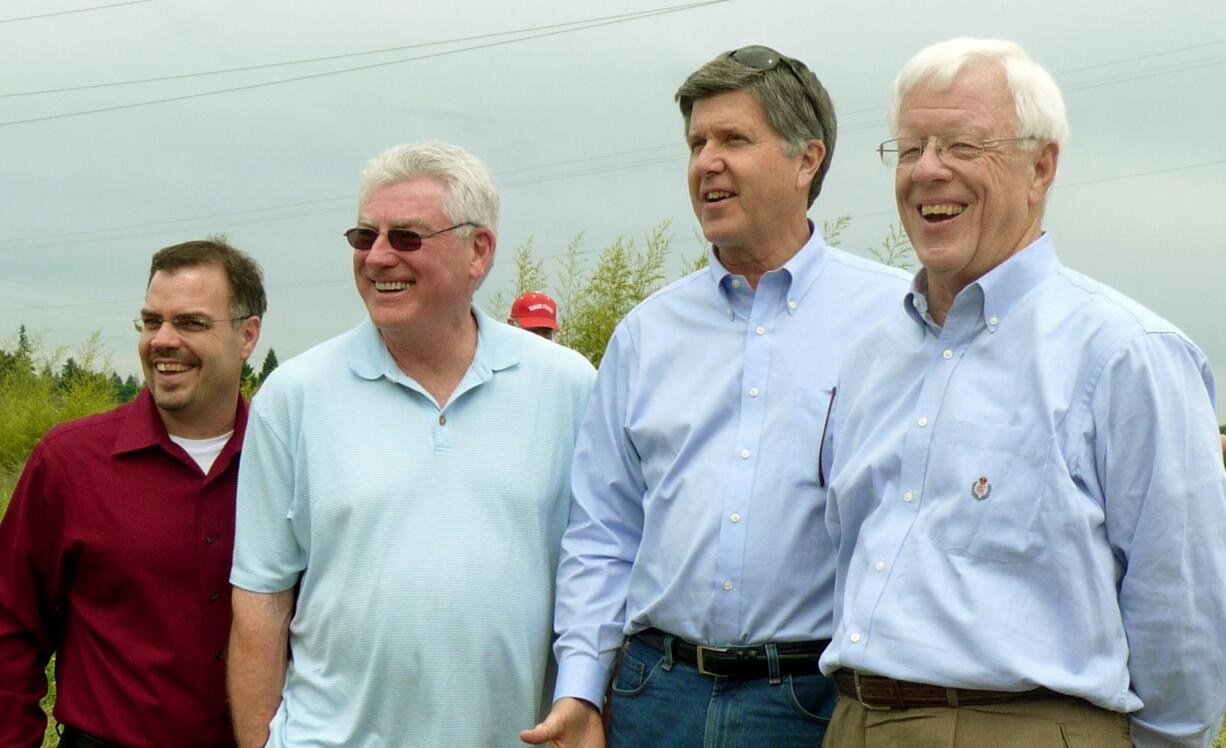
998,290
799,272
496,350
143,428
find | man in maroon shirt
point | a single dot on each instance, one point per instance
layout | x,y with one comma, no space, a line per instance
115,550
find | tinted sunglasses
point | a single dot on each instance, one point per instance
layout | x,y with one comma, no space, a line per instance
402,240
764,58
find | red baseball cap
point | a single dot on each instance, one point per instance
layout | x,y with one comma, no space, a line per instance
535,309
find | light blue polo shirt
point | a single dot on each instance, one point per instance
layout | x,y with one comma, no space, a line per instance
425,539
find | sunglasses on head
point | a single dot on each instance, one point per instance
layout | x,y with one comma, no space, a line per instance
757,57
402,240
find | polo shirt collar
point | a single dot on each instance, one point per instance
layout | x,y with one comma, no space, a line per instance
497,349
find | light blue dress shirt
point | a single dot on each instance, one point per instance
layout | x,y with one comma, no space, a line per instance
424,540
1033,495
696,505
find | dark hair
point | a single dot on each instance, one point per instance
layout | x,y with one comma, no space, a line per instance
796,112
243,274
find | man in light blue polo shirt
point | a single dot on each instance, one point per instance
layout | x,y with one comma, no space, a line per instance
1026,488
403,493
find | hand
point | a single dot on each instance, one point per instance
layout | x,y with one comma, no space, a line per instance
572,723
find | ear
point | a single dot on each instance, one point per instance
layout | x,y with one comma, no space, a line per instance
1044,172
483,243
250,330
810,161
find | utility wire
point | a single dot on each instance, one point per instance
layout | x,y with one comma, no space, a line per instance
154,230
69,12
580,26
327,58
1161,53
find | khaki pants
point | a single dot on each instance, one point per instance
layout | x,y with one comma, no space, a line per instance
1028,723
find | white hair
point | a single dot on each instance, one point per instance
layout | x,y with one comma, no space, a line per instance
1036,97
471,194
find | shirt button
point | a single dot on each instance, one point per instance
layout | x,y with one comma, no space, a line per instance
744,454
908,497
213,595
218,656
736,283
879,566
442,420
727,586
760,330
922,422
753,391
791,304
993,321
947,354
735,517
208,539
855,637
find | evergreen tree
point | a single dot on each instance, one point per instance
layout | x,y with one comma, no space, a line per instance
270,363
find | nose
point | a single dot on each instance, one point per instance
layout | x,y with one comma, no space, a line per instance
381,253
165,336
706,160
930,165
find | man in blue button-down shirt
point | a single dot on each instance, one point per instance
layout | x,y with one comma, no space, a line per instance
1026,487
697,516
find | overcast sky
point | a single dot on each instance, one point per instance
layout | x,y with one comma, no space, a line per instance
571,106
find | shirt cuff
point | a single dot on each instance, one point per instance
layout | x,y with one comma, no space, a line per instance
584,678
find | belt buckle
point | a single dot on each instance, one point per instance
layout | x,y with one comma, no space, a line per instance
855,678
698,649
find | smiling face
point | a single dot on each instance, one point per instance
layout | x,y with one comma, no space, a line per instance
966,217
749,196
413,293
194,376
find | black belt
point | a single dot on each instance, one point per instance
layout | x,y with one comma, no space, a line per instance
795,658
71,737
875,692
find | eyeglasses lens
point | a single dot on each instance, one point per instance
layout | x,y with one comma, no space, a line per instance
402,240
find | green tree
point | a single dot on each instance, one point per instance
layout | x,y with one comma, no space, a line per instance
270,363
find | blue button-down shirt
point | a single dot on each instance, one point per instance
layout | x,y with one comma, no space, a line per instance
696,506
1032,495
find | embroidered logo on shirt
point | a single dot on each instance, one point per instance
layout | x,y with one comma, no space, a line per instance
981,489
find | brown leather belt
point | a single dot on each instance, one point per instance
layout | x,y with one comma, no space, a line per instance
795,658
875,692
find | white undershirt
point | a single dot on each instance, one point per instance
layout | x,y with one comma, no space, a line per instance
203,451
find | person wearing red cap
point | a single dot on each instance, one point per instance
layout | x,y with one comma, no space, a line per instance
535,312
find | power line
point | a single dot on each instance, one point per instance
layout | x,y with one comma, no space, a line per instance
580,26
70,12
327,58
1161,53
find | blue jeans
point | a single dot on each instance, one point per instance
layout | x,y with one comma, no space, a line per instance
658,702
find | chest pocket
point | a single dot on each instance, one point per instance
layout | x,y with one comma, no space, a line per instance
984,491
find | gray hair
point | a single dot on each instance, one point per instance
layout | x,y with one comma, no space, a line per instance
796,104
1036,97
471,194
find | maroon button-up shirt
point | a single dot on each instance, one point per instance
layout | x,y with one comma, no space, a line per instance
115,553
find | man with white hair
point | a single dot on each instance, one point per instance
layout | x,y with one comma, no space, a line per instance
1026,489
396,528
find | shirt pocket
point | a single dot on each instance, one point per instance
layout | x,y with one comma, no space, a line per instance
808,415
984,491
